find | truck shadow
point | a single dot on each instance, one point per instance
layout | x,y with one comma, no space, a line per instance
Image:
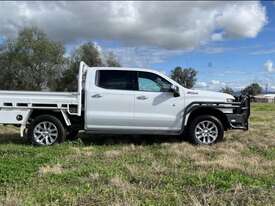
11,139
128,139
95,139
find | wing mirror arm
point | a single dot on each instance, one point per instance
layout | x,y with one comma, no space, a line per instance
175,90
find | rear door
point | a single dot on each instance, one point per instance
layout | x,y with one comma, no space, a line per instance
110,100
156,108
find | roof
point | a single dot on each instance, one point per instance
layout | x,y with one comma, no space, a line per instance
125,69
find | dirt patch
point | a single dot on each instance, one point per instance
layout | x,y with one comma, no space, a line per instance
11,199
112,153
94,176
53,169
120,183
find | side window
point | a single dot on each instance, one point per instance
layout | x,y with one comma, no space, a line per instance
116,79
150,82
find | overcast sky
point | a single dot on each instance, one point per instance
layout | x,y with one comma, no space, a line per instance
229,43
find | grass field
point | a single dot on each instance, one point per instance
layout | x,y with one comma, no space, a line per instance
123,170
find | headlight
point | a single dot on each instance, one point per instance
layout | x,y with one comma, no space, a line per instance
229,100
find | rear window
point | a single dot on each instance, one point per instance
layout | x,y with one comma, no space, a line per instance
116,79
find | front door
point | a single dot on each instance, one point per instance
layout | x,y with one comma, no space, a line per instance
156,108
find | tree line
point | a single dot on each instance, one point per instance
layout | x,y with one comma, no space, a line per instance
252,90
32,61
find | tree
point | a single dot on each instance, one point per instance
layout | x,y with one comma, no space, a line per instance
185,77
253,89
31,61
34,62
227,90
90,54
112,61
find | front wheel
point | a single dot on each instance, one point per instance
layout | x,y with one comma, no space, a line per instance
206,129
46,130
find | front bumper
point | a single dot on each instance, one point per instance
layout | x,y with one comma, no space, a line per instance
241,112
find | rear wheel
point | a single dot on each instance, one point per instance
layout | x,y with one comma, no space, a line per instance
46,130
206,129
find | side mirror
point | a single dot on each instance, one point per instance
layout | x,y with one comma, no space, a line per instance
175,90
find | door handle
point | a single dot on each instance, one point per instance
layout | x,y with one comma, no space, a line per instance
142,97
96,96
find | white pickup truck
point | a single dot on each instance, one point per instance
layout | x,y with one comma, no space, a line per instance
123,101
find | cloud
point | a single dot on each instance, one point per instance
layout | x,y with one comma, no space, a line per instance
238,22
214,85
217,37
235,84
201,85
272,87
142,56
262,52
170,25
269,67
215,82
213,50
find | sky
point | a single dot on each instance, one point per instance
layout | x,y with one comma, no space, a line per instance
229,43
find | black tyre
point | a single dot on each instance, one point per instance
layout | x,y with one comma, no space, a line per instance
72,134
46,130
206,129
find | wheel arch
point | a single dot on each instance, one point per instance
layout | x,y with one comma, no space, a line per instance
208,111
56,113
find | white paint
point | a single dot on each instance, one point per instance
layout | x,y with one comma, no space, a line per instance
108,109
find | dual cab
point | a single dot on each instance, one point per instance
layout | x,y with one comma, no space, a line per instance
123,101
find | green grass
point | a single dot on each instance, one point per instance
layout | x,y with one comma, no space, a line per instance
125,170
